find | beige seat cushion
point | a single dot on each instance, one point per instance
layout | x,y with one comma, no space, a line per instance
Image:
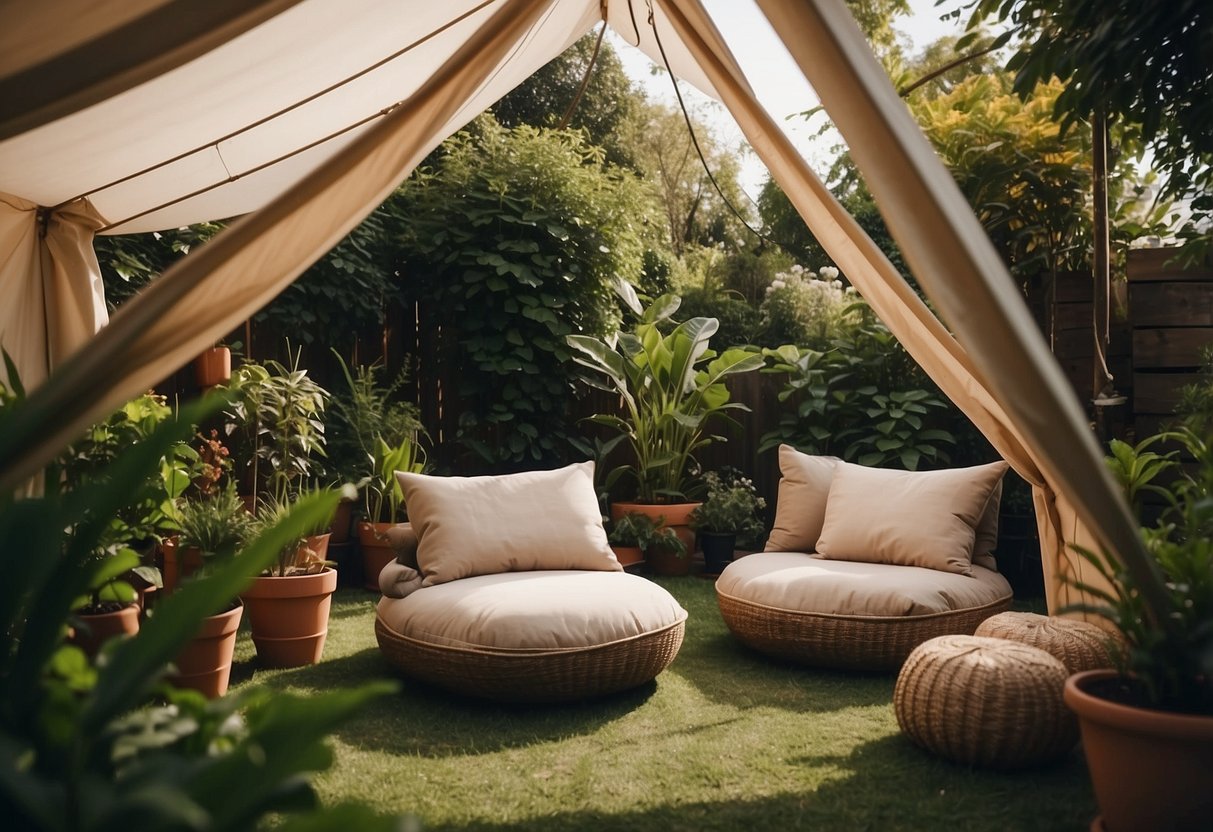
908,518
512,523
533,612
795,582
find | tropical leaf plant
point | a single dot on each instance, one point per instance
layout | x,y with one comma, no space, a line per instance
673,390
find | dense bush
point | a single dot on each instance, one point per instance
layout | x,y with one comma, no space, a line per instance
513,241
738,320
862,399
806,309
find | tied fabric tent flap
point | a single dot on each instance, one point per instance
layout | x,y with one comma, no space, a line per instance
311,198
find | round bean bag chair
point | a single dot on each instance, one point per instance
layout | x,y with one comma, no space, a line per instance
851,614
541,636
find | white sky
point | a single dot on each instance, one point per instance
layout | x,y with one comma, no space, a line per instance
762,56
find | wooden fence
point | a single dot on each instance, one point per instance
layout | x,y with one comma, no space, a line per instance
1172,315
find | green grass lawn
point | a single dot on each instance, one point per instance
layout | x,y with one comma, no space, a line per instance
723,740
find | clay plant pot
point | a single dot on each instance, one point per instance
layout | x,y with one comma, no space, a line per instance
717,551
205,663
377,552
289,617
177,563
628,555
1150,769
343,522
96,629
675,515
213,366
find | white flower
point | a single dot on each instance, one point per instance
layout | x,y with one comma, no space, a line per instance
777,284
828,272
850,290
797,269
837,284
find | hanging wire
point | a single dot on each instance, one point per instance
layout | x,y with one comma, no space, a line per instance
695,141
585,80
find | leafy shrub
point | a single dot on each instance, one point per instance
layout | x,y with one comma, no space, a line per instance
513,241
738,320
806,310
111,746
862,399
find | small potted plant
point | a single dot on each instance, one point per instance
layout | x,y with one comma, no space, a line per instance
210,529
673,389
288,604
385,503
667,554
629,537
1147,726
729,511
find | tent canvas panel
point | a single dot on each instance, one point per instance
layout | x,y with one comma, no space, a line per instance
258,256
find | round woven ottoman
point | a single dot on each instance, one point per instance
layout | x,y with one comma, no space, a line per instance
985,702
864,616
1079,645
547,636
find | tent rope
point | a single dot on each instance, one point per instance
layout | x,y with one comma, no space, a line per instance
585,79
263,120
686,116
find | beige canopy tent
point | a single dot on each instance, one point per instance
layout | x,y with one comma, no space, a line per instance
305,114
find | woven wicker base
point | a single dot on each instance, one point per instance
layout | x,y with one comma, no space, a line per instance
855,642
985,702
1079,645
558,676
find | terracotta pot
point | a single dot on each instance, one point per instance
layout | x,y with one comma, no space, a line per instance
717,551
343,522
289,617
675,515
376,552
205,663
213,366
178,563
95,630
628,555
1150,769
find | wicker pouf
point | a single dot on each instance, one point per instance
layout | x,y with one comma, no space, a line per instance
985,702
1079,645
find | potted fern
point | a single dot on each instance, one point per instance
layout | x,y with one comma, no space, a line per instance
1156,706
673,390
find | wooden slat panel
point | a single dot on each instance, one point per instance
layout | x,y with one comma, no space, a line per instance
1172,304
1074,343
1073,287
1177,348
1159,392
1073,316
1155,264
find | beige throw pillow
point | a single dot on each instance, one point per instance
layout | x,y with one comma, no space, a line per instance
513,523
801,505
987,528
910,518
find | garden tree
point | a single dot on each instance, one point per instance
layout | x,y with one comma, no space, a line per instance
942,64
339,298
695,214
130,261
509,242
875,19
1143,66
784,225
609,101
